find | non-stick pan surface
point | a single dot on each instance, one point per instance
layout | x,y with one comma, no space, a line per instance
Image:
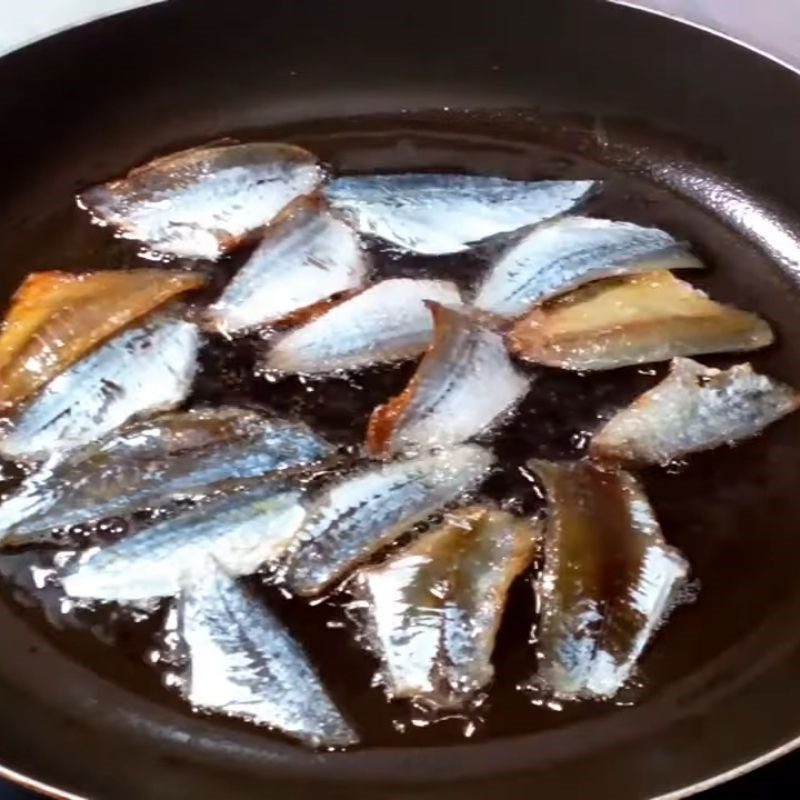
704,131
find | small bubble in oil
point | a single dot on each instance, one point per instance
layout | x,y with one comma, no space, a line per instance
676,466
580,440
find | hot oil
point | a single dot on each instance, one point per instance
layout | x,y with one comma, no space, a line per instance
555,421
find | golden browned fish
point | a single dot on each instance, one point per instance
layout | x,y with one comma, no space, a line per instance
56,318
634,320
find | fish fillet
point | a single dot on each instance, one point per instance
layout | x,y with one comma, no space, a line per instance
609,580
364,512
140,371
147,463
203,202
243,532
56,318
635,320
433,610
244,663
694,408
559,256
306,256
464,383
387,322
435,214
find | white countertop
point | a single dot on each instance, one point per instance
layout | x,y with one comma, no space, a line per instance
24,21
777,29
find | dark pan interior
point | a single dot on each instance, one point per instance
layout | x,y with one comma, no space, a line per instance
692,133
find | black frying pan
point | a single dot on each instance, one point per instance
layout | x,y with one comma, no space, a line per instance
693,132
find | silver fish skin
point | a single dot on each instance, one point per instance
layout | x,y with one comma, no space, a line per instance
432,611
608,584
559,256
694,408
306,257
435,214
244,663
465,382
146,463
359,515
242,532
387,322
202,202
140,371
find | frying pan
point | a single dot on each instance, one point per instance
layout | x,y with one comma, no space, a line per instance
706,131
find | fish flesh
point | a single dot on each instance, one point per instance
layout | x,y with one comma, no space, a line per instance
180,454
436,214
243,662
366,511
620,322
140,371
306,256
242,531
203,202
433,610
609,580
694,408
462,385
387,322
559,256
56,318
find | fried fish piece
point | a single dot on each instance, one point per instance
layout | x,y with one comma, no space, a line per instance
435,214
203,202
307,256
150,462
56,318
609,579
562,255
643,318
387,322
243,532
243,662
368,510
433,609
694,408
464,383
142,370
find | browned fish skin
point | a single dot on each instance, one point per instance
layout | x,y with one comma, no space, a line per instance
433,610
694,408
634,320
609,579
57,317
